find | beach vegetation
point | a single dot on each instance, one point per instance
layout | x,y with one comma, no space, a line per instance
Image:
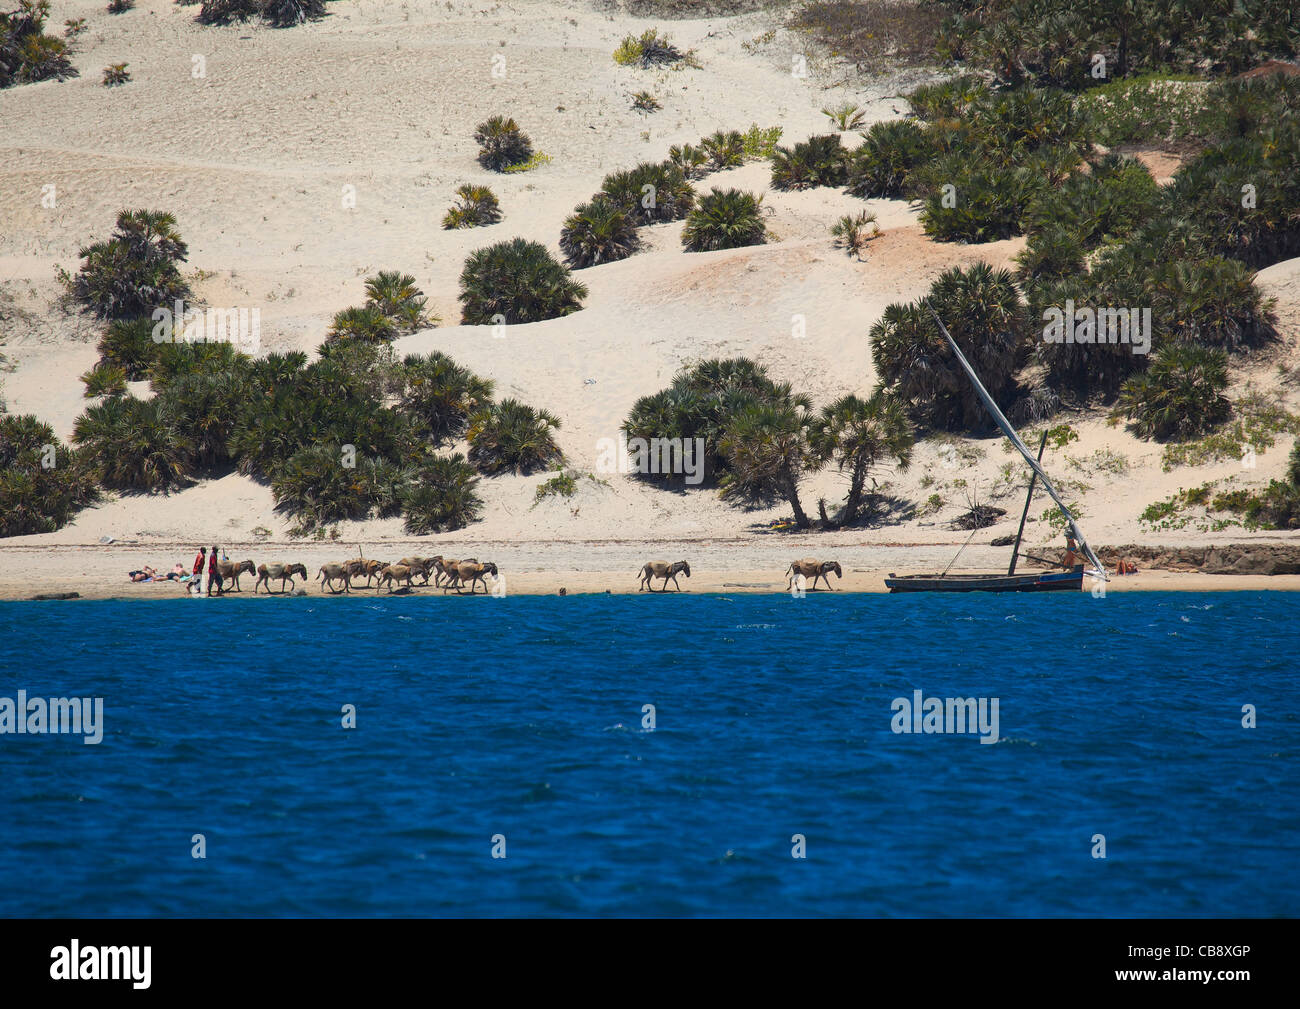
516,281
651,193
43,484
438,396
856,435
27,54
724,148
134,271
132,444
817,161
982,310
512,437
881,166
725,219
475,207
601,231
395,296
1180,395
501,144
852,232
441,495
104,380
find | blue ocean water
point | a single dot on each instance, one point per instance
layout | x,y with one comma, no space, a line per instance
522,717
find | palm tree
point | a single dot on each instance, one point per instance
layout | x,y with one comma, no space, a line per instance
439,396
688,158
514,282
36,497
767,452
1054,253
440,495
856,434
1180,395
104,380
477,207
502,144
598,232
129,345
851,232
395,296
818,161
315,487
512,437
652,192
367,324
724,148
725,219
881,165
982,310
135,271
132,445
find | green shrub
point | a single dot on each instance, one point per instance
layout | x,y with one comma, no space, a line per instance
27,54
440,496
116,74
882,164
725,219
852,232
132,445
129,344
601,231
367,324
438,396
845,116
135,271
687,158
982,311
724,148
501,144
1180,395
650,50
277,13
476,207
818,161
104,380
651,193
702,402
760,142
512,437
517,281
395,296
42,483
950,99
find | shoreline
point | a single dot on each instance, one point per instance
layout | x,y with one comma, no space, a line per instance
543,567
619,583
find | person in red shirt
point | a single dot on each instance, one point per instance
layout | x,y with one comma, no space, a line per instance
196,580
214,577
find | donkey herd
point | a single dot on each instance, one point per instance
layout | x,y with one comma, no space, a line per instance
449,573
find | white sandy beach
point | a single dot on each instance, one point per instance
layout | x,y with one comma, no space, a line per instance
384,96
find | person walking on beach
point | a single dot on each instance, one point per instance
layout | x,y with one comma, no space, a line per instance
214,576
196,576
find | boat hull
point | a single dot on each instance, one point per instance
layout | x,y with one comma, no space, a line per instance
1063,581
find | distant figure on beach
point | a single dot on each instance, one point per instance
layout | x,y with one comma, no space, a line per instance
196,576
1071,553
214,576
145,574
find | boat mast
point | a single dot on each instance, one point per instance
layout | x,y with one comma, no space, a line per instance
1099,570
1033,479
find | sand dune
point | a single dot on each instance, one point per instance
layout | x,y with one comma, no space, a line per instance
384,97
